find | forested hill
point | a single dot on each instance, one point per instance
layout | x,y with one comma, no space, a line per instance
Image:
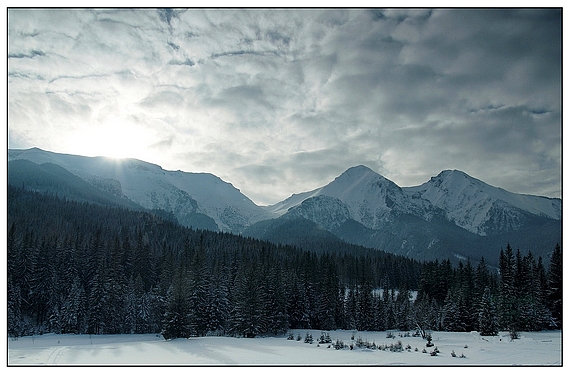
84,268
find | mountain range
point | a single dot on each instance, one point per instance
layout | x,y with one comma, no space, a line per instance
452,215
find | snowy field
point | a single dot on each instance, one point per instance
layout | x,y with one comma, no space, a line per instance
540,348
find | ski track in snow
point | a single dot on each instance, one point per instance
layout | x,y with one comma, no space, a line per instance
532,349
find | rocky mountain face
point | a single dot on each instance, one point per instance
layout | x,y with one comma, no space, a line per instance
451,215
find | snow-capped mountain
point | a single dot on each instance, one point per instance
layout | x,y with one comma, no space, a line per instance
372,200
191,197
480,208
359,194
452,214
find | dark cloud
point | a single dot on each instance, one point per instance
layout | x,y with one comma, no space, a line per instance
166,15
30,54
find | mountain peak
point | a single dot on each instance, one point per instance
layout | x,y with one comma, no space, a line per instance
360,174
472,204
455,180
356,178
357,173
453,175
359,169
454,172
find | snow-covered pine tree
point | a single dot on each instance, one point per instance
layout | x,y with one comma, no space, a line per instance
533,314
329,305
389,299
131,308
365,311
507,292
379,313
424,315
297,306
276,303
403,310
451,312
488,324
177,322
200,287
350,309
554,287
97,304
248,319
153,308
73,313
218,306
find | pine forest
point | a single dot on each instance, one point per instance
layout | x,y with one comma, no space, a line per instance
92,269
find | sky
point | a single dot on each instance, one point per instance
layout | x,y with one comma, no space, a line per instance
282,101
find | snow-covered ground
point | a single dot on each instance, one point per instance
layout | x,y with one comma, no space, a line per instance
540,348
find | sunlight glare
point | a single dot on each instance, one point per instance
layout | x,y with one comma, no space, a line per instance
115,139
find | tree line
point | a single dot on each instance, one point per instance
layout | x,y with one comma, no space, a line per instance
86,268
521,295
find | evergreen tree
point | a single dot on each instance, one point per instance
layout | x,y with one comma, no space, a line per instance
42,283
73,313
530,306
200,287
451,317
488,324
365,316
403,310
389,298
131,308
97,304
297,306
380,313
177,322
554,287
482,279
351,309
329,304
248,318
14,292
425,314
507,301
218,305
153,308
14,303
468,304
276,303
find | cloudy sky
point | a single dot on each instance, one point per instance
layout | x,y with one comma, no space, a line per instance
283,101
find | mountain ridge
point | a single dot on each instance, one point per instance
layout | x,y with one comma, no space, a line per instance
396,219
452,193
152,187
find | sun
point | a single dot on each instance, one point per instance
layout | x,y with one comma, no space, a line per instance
114,138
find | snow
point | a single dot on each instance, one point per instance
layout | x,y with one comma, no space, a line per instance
532,349
467,201
369,197
362,190
152,187
282,207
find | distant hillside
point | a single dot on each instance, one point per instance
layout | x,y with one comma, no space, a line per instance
50,178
